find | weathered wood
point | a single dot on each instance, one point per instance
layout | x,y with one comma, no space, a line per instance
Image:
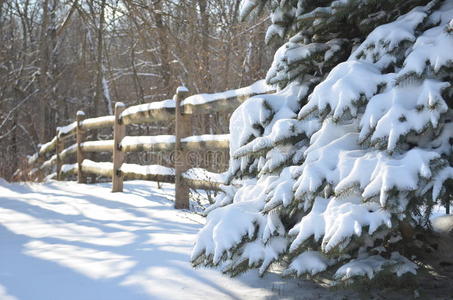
148,172
198,178
36,173
98,168
67,170
135,172
167,143
162,111
182,143
202,184
128,171
99,122
119,131
80,137
208,141
149,112
219,105
43,149
48,163
224,101
67,152
183,129
148,143
32,159
89,146
98,146
142,143
47,147
59,149
67,131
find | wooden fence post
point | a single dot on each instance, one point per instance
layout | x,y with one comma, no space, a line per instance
119,131
39,174
183,126
58,149
80,137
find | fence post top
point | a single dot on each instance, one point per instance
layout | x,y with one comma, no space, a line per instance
119,105
182,89
80,113
181,93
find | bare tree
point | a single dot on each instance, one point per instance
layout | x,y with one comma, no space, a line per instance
60,56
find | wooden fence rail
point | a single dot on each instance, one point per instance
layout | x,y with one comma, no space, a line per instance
180,145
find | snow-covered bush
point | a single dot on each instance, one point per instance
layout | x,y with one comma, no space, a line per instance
357,140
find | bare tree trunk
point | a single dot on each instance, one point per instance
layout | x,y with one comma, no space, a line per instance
53,101
163,48
13,143
204,16
98,96
230,45
99,69
43,68
137,84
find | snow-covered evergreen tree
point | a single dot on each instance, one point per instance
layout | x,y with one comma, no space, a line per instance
356,143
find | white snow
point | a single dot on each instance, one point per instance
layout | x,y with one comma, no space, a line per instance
311,262
132,110
147,169
443,224
259,87
404,109
68,128
233,223
370,265
237,222
69,150
432,48
379,45
42,150
280,191
246,6
182,89
119,104
33,158
99,168
344,162
48,146
338,220
105,168
129,141
274,30
97,121
102,143
50,162
63,240
68,168
442,176
202,174
343,89
149,141
264,112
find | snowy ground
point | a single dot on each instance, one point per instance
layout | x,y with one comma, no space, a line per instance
63,241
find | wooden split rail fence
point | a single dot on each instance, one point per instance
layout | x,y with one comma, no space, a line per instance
180,108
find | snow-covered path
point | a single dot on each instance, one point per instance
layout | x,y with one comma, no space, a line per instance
63,241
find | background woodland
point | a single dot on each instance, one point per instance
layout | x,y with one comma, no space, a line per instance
57,57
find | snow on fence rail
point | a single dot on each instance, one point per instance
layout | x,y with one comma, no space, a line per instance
179,108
